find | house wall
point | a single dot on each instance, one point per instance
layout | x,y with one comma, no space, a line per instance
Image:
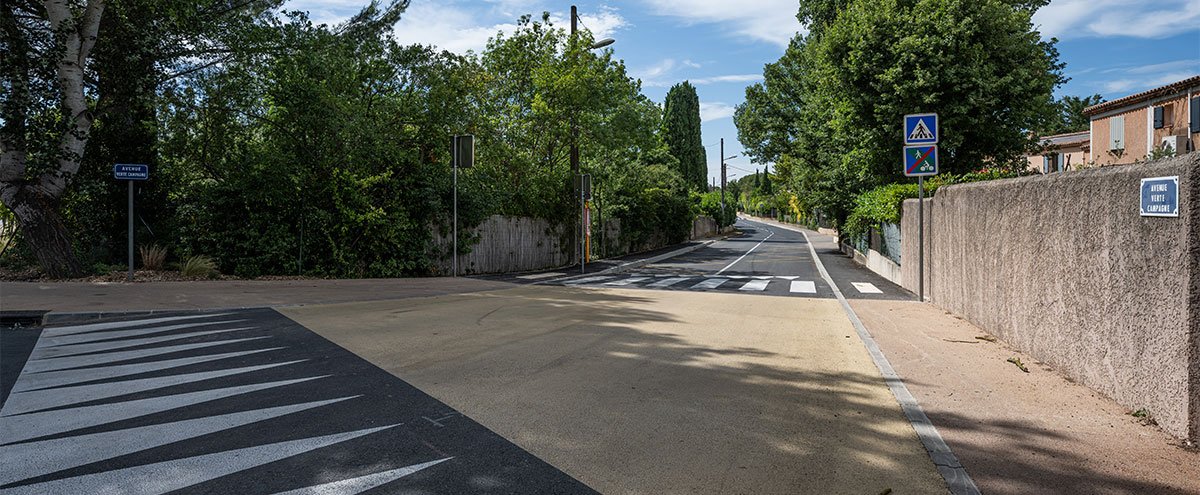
1179,117
1136,123
1062,266
1075,155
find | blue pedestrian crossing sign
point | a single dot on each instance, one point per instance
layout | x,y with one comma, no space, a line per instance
920,161
921,128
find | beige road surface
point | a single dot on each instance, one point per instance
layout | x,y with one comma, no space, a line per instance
637,391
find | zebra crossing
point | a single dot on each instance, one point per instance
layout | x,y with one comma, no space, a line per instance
220,403
775,284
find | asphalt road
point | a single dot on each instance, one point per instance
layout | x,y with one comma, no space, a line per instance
243,402
763,260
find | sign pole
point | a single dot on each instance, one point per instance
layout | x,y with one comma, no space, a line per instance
582,233
130,276
921,238
454,255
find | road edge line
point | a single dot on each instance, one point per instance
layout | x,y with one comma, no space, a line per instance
947,464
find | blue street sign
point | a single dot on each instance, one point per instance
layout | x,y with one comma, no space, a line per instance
126,171
1160,197
921,128
920,161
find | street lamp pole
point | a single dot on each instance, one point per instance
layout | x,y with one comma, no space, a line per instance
575,172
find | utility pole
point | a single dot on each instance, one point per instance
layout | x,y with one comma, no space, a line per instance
722,179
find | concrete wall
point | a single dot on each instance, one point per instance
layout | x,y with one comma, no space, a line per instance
1063,267
704,226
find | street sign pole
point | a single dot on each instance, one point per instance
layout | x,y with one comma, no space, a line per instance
921,238
129,173
454,255
582,219
130,276
921,135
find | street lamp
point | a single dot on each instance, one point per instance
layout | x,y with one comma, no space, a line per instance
575,150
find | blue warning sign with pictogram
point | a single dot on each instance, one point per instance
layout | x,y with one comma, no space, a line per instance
921,128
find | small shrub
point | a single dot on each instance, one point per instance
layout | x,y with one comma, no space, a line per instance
199,266
153,257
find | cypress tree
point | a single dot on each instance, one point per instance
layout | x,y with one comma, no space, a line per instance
681,132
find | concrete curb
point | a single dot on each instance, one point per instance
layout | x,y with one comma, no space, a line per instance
655,259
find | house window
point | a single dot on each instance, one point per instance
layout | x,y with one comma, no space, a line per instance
1164,116
1116,133
1052,163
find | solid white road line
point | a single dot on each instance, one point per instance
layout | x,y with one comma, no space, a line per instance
74,329
866,288
90,347
55,364
756,285
28,460
957,479
710,283
667,282
585,280
362,483
33,381
40,424
772,233
162,477
804,286
120,334
537,276
37,400
628,281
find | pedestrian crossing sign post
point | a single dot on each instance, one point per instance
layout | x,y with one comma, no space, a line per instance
920,161
920,128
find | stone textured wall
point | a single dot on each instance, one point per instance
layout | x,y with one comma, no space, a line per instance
1062,266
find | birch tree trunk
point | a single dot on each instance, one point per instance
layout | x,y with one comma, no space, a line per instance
35,198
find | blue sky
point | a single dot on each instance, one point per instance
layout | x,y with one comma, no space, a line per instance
1111,47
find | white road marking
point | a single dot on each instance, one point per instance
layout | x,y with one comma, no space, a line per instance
755,285
33,381
90,347
738,276
804,286
764,277
27,460
788,277
162,477
772,233
667,282
866,288
362,483
120,334
710,283
538,276
40,424
37,400
628,281
55,364
74,329
586,280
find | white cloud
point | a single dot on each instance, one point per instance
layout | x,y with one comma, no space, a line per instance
771,21
729,78
1125,79
715,111
463,26
1067,19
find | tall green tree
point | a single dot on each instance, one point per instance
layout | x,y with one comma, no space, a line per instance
1068,114
835,101
681,132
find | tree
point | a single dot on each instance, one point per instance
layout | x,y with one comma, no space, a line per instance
1068,114
46,117
681,132
834,102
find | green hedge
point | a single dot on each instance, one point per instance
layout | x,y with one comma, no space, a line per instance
884,204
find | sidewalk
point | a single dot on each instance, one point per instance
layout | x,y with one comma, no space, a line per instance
1018,432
